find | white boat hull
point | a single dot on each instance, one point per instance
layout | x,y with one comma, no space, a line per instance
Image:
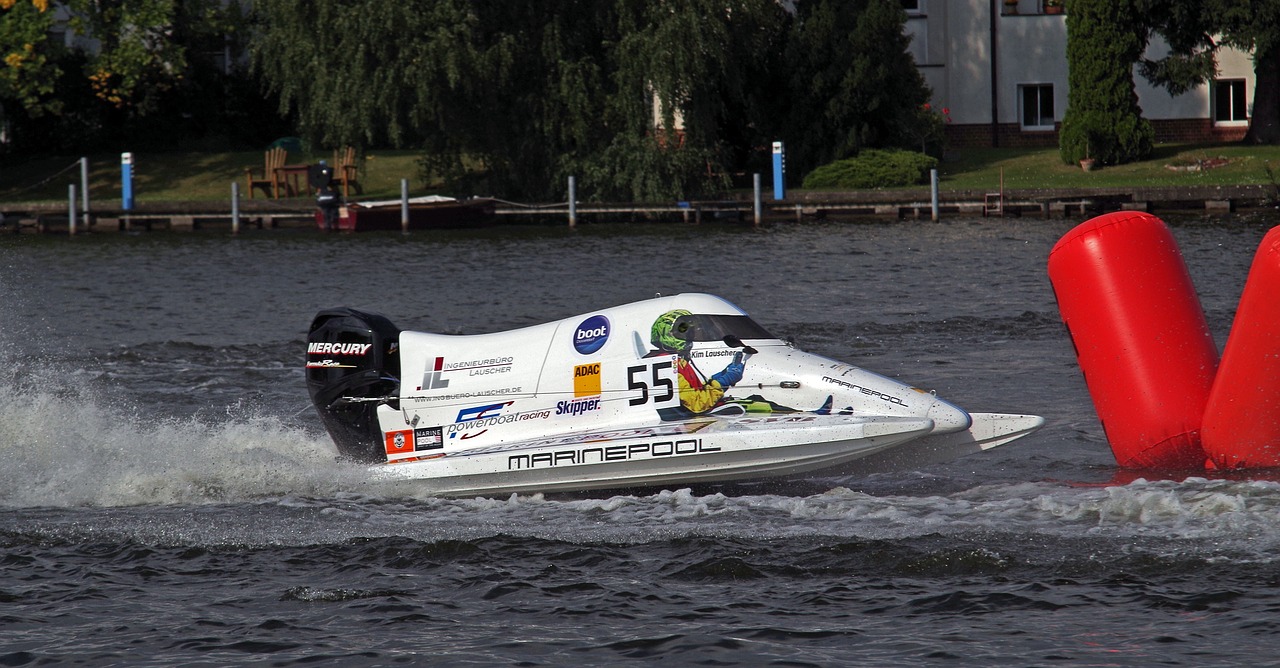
695,453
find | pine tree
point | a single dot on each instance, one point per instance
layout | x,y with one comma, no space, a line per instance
1103,120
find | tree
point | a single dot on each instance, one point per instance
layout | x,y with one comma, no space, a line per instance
689,77
138,75
1196,29
852,83
1103,119
29,70
644,99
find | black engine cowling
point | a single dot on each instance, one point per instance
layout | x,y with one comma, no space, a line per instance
353,366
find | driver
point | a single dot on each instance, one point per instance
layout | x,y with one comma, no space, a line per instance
698,394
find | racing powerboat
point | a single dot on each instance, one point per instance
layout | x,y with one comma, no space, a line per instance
665,392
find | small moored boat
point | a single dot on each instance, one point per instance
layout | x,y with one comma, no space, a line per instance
425,213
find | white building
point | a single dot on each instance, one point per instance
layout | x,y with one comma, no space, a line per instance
1000,69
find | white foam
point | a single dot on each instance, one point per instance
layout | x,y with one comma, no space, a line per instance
61,448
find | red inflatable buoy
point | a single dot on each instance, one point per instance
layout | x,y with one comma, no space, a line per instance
1140,335
1242,418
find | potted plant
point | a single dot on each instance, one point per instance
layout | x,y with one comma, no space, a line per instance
1054,6
1087,163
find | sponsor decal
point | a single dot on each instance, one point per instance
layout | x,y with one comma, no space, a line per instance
329,364
399,442
427,439
586,380
433,375
577,406
781,419
865,390
700,354
321,348
465,395
481,412
489,415
597,454
590,437
591,334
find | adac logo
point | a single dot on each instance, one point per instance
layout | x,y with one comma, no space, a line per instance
586,380
591,334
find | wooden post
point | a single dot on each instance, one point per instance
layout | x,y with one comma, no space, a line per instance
235,208
756,207
573,202
933,185
404,206
71,209
84,190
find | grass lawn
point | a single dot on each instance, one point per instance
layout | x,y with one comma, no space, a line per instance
189,176
978,169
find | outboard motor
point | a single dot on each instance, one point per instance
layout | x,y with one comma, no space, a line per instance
353,364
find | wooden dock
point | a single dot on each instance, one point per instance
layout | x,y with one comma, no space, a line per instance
800,206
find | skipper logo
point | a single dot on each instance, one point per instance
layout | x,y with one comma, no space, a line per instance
591,335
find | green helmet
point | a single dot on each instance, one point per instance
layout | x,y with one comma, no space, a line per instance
662,336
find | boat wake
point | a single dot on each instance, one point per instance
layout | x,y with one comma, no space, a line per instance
66,449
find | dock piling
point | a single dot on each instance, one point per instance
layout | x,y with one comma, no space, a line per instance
756,208
71,209
573,201
933,187
404,206
235,208
84,190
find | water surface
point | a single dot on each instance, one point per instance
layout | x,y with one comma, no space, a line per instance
168,496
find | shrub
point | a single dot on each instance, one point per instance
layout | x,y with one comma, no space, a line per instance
873,168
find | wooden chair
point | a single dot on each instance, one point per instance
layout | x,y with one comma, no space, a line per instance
345,171
272,162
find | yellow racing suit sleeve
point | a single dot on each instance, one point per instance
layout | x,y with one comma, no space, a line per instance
699,400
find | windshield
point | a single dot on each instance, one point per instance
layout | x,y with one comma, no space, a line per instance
698,327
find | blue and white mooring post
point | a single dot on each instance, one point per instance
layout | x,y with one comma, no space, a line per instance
779,171
126,181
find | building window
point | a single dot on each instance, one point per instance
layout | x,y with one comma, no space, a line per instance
1229,107
1036,101
913,6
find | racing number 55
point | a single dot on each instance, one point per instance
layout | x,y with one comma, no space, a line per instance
658,382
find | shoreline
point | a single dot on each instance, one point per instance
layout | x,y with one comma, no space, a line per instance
1047,203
